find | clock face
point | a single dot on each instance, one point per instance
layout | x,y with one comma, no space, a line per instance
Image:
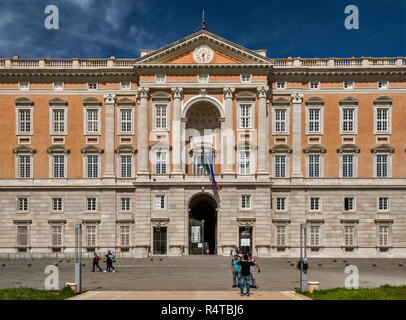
203,54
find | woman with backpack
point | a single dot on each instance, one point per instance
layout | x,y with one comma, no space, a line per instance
96,260
110,258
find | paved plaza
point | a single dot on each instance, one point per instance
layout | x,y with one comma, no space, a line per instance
201,273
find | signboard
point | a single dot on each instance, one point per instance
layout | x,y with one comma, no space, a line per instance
245,242
195,234
200,245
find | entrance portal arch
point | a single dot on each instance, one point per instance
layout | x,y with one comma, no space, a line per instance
202,210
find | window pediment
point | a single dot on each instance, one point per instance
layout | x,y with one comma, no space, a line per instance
92,149
352,148
315,101
125,148
57,101
248,146
161,95
383,100
92,101
315,148
383,148
24,149
160,145
280,101
23,100
349,100
281,148
58,149
125,101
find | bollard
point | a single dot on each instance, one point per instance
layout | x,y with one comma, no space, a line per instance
313,285
73,286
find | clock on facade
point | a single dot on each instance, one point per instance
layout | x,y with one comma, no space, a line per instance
203,54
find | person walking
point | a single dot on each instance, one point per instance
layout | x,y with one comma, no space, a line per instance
96,260
109,260
245,265
252,272
235,270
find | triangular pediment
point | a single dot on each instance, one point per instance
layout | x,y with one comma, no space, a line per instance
223,52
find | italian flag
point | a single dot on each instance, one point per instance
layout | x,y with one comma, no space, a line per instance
208,166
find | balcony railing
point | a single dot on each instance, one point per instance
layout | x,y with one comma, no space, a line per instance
113,63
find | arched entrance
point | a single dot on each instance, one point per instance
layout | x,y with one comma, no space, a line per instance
202,224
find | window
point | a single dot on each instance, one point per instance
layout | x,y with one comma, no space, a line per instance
59,85
22,235
349,204
281,85
58,120
203,78
314,85
349,235
91,236
245,162
280,235
245,202
314,166
314,204
24,85
22,204
125,85
91,204
348,84
160,162
126,166
56,238
314,235
382,119
160,202
245,116
161,116
280,166
92,85
348,166
280,204
92,121
125,204
280,120
92,166
382,165
24,121
124,235
348,120
383,204
246,77
160,78
24,166
383,84
314,120
58,164
383,235
126,117
57,204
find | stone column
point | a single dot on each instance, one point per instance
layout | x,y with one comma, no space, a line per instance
297,99
176,131
227,133
142,130
184,156
263,152
109,100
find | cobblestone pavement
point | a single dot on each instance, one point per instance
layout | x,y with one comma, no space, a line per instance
201,273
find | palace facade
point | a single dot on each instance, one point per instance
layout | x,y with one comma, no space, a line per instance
120,145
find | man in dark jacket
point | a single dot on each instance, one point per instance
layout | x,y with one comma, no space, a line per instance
245,265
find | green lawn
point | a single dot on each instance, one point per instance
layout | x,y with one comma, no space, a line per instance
35,294
385,292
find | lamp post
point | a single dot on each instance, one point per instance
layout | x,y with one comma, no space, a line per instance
303,258
78,256
202,236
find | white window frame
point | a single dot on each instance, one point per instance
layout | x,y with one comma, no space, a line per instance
120,171
121,199
18,204
354,204
314,85
120,109
348,85
128,235
285,234
287,169
27,225
166,162
96,108
96,203
242,201
90,87
388,204
244,76
167,116
122,87
353,234
52,131
320,235
62,204
389,120
51,226
252,115
382,84
163,80
355,164
388,164
251,167
389,234
59,88
319,204
321,119
85,164
96,235
354,121
275,109
321,164
27,87
19,108
285,207
284,86
18,172
51,165
203,78
165,200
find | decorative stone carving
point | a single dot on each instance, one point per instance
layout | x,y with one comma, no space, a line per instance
263,92
177,93
110,98
229,93
297,97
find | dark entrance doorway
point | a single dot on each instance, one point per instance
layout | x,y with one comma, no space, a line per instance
160,241
245,235
203,225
